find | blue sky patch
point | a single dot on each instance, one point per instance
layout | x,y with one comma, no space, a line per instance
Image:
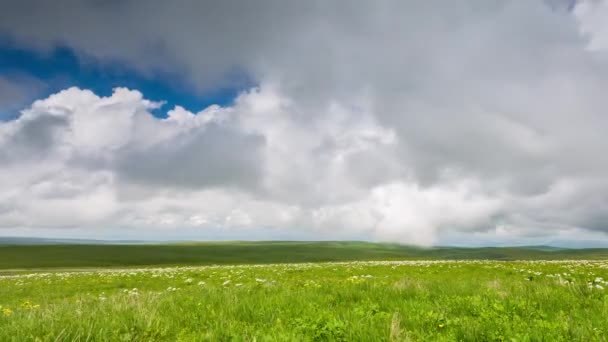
62,68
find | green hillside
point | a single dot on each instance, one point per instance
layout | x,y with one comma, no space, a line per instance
98,255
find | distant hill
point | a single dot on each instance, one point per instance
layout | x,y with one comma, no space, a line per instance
5,241
41,253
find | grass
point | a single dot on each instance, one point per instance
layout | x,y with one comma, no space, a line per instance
353,301
82,256
300,291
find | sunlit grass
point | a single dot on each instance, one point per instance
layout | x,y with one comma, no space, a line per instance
354,301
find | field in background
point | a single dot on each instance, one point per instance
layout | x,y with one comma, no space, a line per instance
353,301
105,255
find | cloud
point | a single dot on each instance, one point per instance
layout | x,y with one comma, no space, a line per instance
215,156
16,91
384,120
591,15
79,160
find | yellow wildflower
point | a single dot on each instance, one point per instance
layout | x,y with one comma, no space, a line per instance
7,312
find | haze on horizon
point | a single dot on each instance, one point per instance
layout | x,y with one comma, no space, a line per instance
479,122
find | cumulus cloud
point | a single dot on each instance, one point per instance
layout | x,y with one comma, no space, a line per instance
384,120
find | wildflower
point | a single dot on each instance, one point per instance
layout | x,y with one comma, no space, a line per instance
260,280
239,284
311,283
188,281
598,286
201,283
7,312
226,282
29,306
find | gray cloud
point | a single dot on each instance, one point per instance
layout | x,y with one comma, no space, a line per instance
11,93
15,92
215,157
34,137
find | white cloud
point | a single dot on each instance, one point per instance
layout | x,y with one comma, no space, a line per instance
84,172
385,120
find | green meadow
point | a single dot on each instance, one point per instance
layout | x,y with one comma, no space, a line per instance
293,291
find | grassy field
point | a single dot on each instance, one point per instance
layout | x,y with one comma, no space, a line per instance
352,301
82,256
297,291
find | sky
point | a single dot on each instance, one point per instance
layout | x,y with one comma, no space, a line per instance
478,122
